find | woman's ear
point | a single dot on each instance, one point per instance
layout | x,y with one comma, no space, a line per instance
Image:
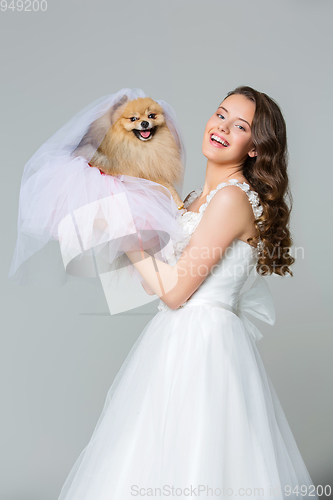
252,153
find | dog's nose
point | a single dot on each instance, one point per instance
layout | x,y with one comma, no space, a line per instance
144,124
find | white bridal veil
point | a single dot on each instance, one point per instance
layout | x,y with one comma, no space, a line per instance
75,222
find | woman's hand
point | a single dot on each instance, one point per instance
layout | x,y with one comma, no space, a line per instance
160,277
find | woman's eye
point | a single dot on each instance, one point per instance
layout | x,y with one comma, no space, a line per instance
240,126
220,116
152,116
133,118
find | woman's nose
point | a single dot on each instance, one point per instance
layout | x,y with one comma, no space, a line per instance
223,126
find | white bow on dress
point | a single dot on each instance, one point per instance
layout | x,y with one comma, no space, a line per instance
258,302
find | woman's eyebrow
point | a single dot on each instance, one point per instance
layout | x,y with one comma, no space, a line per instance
241,119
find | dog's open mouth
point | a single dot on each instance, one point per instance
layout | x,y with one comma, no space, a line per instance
144,135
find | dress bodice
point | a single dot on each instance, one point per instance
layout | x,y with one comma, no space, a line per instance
227,277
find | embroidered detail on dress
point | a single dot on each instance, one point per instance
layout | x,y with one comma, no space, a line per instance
252,195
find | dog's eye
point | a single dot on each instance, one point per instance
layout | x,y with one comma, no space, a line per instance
152,116
133,118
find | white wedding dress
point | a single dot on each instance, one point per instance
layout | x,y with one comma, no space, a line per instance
192,412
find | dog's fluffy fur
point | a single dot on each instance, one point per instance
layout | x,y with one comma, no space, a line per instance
133,139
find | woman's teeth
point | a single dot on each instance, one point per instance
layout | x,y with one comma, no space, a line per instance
218,139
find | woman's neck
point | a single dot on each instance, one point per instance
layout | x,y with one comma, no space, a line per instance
217,173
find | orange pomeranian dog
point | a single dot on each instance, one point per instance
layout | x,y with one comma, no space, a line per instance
133,139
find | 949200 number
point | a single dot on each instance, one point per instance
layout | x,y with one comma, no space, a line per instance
23,6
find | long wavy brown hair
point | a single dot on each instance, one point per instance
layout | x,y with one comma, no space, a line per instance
267,175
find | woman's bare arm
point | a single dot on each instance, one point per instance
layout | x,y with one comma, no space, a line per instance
227,217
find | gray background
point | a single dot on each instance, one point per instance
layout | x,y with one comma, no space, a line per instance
60,348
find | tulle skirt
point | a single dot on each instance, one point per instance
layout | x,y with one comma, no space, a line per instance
191,412
94,219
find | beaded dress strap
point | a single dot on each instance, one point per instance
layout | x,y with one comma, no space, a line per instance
252,196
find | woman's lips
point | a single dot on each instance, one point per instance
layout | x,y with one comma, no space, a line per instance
215,143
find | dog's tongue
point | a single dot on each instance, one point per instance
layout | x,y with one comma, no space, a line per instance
145,133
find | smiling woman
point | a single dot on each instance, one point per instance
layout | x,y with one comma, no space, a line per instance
230,128
192,404
245,138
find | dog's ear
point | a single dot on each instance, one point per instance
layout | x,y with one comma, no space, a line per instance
118,109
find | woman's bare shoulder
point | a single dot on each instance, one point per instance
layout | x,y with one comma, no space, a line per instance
231,196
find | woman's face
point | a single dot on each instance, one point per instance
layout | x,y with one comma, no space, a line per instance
227,138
